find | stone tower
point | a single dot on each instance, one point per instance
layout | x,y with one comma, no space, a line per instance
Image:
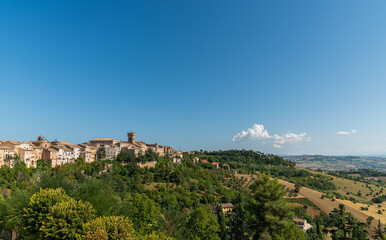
131,137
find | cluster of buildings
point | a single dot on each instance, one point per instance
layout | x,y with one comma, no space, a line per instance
60,152
216,165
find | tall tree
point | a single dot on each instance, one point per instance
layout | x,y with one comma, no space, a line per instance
222,221
101,153
238,223
269,210
346,226
202,224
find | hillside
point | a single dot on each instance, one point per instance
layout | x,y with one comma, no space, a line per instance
338,162
207,195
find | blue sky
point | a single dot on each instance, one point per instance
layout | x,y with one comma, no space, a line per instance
195,74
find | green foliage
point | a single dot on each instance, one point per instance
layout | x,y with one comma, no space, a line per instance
302,201
169,201
100,195
125,157
289,231
222,221
65,220
238,228
156,236
345,226
42,165
202,224
379,199
101,153
109,228
12,209
35,214
142,210
269,209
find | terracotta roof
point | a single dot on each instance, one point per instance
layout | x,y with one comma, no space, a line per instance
226,205
5,147
103,139
56,142
88,143
215,163
204,161
51,149
298,220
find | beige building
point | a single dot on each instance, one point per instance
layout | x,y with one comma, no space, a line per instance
88,147
38,151
28,157
139,147
7,156
227,208
41,142
87,156
51,155
112,151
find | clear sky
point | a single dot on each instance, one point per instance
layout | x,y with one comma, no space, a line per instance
296,76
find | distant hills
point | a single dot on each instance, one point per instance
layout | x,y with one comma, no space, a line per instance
338,162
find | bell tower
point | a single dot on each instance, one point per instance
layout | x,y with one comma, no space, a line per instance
131,137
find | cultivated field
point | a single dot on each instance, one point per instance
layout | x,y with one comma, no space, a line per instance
353,188
350,188
373,209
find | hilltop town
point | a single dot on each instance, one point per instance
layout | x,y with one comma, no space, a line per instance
57,153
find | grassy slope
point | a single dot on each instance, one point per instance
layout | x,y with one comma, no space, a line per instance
348,186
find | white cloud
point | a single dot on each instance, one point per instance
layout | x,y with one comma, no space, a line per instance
256,132
353,131
277,146
291,138
259,132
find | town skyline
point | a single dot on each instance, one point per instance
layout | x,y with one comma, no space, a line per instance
56,153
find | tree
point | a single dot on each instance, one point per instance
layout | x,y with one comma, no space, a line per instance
345,225
222,221
100,195
111,227
7,173
238,223
125,157
101,153
65,220
289,232
42,165
297,187
20,168
164,168
39,206
319,229
150,155
269,209
156,236
379,233
142,210
96,167
202,224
